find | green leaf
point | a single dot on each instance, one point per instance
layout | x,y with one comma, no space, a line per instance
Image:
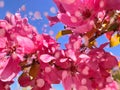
63,32
115,40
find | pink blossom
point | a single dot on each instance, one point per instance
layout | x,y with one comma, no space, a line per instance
10,71
112,86
46,58
5,85
111,5
52,75
3,42
40,58
16,41
44,54
82,18
78,16
9,67
24,80
25,44
75,41
88,70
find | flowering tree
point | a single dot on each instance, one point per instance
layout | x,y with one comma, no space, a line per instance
80,66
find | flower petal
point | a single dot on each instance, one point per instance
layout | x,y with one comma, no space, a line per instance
46,58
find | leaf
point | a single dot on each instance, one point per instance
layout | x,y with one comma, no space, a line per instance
115,40
34,70
63,32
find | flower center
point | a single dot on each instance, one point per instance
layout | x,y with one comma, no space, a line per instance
86,14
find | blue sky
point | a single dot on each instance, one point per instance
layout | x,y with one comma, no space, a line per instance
41,7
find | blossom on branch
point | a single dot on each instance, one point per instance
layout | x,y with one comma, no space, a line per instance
82,65
84,16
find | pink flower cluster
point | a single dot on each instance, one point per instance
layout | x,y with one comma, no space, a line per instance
43,63
87,70
22,46
15,41
82,18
